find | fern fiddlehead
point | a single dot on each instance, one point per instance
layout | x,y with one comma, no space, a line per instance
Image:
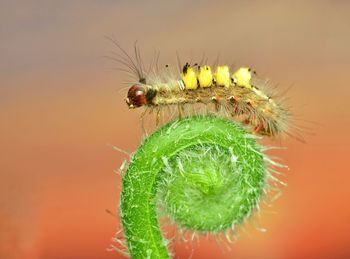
208,172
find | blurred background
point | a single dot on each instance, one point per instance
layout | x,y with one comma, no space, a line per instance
61,105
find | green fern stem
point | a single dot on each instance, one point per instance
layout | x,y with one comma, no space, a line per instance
208,173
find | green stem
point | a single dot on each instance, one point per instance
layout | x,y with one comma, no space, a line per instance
208,173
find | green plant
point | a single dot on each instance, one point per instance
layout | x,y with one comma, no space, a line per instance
208,173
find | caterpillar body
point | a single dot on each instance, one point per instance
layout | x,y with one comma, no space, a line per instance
241,94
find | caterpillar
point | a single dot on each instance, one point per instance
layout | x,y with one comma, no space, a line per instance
241,94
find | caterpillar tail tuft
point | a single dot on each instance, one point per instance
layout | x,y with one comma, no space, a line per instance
206,172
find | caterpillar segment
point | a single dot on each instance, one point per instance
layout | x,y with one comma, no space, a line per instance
222,76
205,76
189,77
242,77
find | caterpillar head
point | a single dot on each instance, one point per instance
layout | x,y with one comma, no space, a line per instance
136,96
140,95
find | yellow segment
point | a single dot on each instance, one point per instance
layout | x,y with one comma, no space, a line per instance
205,76
190,78
242,77
222,76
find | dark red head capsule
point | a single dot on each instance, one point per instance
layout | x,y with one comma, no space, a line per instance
136,96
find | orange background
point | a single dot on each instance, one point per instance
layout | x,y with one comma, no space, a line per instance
61,105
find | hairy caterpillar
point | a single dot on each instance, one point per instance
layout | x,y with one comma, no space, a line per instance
241,94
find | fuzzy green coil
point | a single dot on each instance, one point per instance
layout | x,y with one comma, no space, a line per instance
207,173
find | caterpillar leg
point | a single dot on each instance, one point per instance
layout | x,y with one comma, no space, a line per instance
158,117
181,110
143,128
258,128
216,102
144,113
233,106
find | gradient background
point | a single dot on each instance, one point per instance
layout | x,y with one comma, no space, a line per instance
61,104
